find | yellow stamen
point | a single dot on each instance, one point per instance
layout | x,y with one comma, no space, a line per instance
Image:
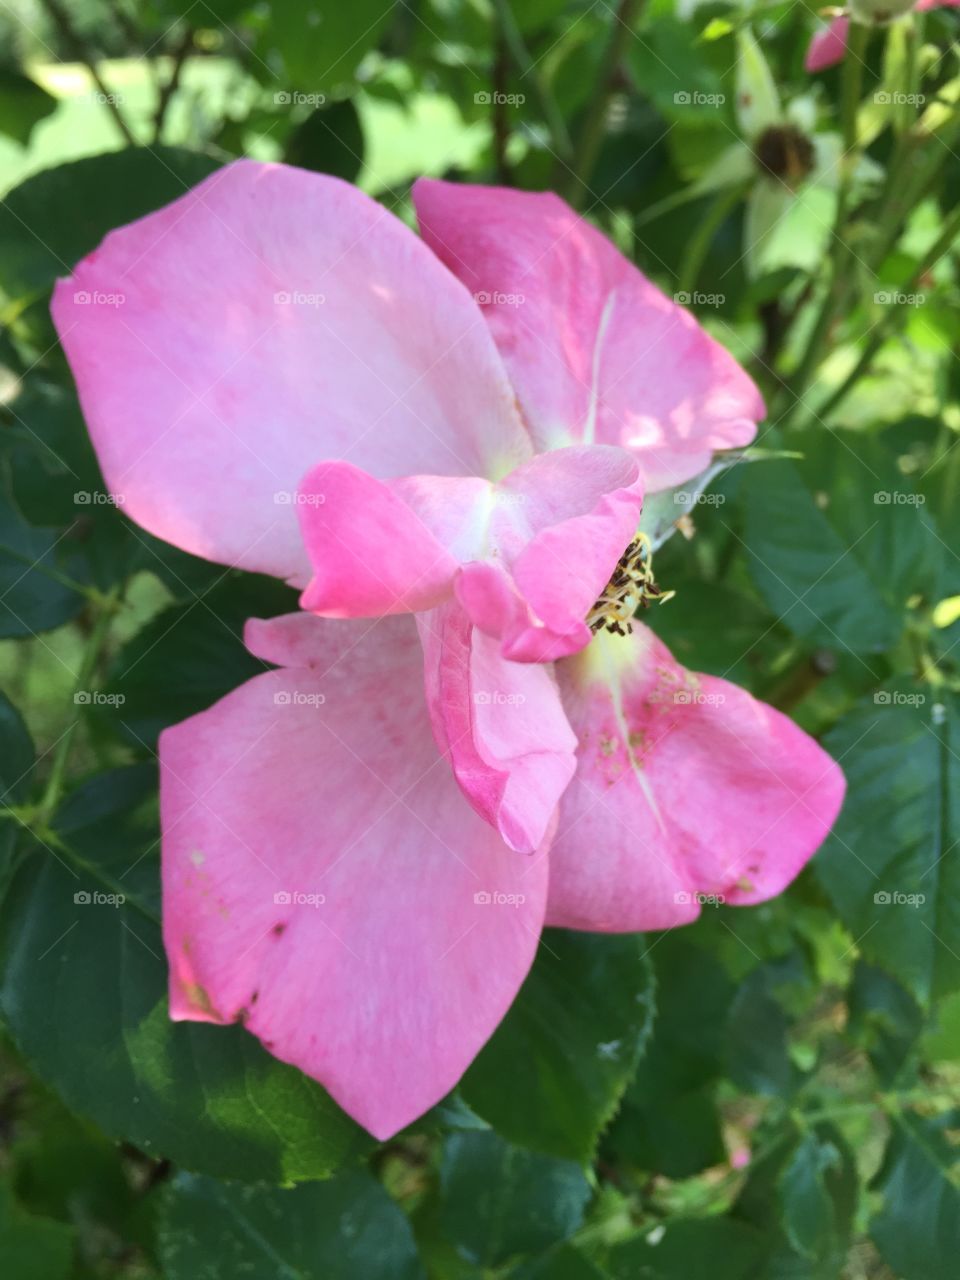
632,587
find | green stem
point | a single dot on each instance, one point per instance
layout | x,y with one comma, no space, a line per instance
79,49
909,184
88,665
703,238
943,244
839,249
520,54
595,123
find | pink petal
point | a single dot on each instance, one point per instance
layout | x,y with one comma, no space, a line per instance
372,553
268,320
594,350
564,520
537,549
924,6
828,46
685,785
502,726
418,924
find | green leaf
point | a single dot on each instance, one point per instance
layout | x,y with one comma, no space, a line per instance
191,654
497,1200
578,1027
32,596
716,1247
32,1248
759,1056
801,1193
323,49
807,1208
918,1229
16,754
891,866
713,628
341,1229
884,1017
330,140
668,1122
941,1042
23,103
84,996
39,243
564,1263
838,543
16,767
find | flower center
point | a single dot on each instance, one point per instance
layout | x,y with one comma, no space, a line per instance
631,587
785,152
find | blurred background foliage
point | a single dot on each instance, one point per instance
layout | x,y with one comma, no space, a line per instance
771,1093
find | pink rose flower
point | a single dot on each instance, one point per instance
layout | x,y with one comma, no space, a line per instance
829,45
297,384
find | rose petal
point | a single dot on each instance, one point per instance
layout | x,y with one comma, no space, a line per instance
595,351
685,785
418,924
372,553
272,318
537,548
828,46
501,724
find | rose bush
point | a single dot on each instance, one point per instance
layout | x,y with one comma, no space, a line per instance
478,620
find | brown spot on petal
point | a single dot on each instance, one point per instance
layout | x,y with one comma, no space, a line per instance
278,929
198,999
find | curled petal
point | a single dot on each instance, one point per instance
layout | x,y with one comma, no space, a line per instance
528,556
502,726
